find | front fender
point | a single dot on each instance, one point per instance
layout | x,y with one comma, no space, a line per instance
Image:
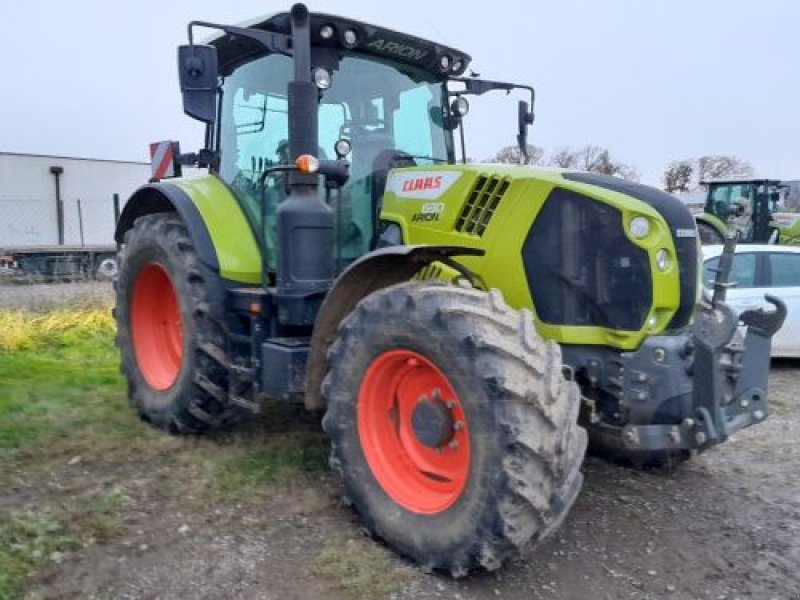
220,232
374,271
713,221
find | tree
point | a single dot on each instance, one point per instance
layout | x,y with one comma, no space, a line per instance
511,155
678,176
563,158
594,159
685,175
723,167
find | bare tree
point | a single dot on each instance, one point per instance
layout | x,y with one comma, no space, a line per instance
678,176
563,158
594,159
721,167
511,155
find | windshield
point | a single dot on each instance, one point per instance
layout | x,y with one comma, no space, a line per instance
377,106
724,196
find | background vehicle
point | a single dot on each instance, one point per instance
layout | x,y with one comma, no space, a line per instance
759,270
758,210
338,254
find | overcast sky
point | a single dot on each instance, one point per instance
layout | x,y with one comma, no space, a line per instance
652,80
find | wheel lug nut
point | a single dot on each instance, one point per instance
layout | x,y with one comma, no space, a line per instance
453,444
450,404
412,362
458,426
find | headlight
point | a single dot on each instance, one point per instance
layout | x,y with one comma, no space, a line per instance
639,227
663,260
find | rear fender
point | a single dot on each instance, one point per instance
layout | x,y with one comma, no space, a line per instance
374,271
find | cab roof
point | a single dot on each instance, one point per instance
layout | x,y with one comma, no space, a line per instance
371,40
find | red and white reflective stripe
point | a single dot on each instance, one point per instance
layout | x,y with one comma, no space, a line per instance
162,160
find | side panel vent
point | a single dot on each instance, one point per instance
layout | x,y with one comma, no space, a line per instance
481,204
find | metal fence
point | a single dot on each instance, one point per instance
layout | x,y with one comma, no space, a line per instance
45,240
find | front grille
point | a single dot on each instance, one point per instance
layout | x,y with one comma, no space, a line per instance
679,219
581,267
481,204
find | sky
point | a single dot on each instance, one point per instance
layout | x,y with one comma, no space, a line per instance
652,80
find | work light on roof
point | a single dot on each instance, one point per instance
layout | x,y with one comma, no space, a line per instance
350,38
326,32
444,62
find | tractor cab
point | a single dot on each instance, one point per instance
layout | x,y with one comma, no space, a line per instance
381,99
744,206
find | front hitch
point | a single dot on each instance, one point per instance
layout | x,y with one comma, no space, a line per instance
715,381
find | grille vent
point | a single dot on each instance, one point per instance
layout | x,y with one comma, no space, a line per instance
481,204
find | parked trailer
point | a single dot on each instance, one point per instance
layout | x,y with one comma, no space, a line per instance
57,214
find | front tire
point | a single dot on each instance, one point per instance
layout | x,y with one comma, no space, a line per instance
172,349
490,463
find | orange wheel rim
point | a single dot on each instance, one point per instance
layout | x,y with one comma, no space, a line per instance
156,327
421,475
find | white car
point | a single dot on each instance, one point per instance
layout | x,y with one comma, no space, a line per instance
760,269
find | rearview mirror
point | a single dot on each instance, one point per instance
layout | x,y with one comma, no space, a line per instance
199,78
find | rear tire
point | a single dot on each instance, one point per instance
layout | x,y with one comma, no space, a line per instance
171,348
519,434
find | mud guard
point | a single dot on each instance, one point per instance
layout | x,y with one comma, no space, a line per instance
376,270
165,197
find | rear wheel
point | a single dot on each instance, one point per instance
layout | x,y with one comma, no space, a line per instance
171,347
452,426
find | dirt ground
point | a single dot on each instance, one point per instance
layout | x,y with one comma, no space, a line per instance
725,525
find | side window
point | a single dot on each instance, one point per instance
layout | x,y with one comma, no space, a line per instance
254,121
743,270
410,133
785,269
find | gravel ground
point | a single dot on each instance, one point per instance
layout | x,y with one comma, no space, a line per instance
725,525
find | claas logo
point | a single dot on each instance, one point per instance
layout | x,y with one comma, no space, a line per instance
422,183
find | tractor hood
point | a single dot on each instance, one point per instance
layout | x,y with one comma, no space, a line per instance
600,255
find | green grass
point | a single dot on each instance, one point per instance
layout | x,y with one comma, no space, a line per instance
48,394
64,411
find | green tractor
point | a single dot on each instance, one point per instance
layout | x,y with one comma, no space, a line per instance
463,326
757,211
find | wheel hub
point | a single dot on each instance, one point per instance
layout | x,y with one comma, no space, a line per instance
432,422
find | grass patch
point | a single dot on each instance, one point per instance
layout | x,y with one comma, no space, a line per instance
62,390
362,568
255,461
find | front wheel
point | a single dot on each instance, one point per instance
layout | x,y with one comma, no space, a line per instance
452,426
